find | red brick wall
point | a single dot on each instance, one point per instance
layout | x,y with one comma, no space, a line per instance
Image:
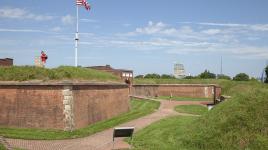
96,103
41,105
6,62
31,106
183,90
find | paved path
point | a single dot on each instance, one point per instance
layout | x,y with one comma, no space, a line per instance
103,140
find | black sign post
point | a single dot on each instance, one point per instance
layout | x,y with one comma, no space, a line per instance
123,132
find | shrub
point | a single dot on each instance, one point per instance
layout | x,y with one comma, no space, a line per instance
207,75
266,71
152,76
222,76
190,77
166,76
139,76
241,77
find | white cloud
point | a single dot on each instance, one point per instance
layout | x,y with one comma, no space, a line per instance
211,31
255,27
222,24
151,28
18,13
21,30
68,19
260,27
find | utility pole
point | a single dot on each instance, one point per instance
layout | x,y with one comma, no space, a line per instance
221,65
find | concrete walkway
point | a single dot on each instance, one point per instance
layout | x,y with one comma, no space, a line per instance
103,140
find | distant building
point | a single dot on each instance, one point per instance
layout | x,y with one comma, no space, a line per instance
126,75
6,62
179,71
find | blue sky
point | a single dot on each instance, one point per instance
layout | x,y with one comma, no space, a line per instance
146,36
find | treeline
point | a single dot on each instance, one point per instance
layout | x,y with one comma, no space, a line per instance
204,75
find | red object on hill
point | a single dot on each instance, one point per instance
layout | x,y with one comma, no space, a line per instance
43,57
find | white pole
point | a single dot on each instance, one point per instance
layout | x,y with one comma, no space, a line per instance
76,37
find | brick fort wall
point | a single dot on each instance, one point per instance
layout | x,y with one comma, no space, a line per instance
65,106
180,90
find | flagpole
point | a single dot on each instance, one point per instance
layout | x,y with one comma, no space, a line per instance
76,37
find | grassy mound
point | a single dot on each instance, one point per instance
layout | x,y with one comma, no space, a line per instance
139,108
239,123
163,135
2,147
26,73
192,109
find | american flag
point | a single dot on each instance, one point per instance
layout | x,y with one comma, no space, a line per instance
83,3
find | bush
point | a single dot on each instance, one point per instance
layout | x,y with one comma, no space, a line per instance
266,71
190,77
241,77
152,76
166,76
222,76
207,75
139,76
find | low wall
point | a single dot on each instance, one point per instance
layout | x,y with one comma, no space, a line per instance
181,90
65,106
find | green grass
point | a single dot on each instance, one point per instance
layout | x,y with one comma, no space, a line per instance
176,98
139,108
2,147
26,73
192,109
239,123
165,134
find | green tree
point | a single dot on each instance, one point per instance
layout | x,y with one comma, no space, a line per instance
222,76
190,77
139,76
266,71
152,76
207,75
241,77
166,76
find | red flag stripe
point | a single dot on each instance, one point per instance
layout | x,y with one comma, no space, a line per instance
79,2
83,3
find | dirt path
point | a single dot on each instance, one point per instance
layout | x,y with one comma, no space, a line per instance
103,140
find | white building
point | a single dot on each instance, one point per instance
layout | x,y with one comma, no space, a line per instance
179,71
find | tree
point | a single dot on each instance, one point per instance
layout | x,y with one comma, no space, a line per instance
166,76
266,72
222,76
207,75
241,77
190,77
139,76
152,76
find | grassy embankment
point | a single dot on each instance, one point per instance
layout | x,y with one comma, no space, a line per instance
192,109
240,123
2,147
138,109
26,73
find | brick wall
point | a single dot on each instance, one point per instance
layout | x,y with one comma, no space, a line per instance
6,62
31,106
96,103
60,105
182,90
